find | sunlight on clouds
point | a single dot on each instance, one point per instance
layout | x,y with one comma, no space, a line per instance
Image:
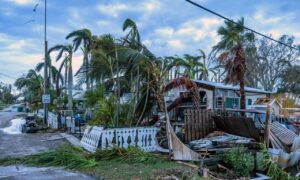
18,45
22,2
152,5
115,9
176,44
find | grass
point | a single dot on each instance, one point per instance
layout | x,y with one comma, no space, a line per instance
109,164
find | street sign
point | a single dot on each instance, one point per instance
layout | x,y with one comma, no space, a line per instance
46,99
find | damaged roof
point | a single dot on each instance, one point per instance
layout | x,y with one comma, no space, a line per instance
230,86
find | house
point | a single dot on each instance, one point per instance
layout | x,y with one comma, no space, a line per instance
214,95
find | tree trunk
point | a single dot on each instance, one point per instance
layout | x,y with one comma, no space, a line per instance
66,76
240,59
50,71
86,61
70,85
243,96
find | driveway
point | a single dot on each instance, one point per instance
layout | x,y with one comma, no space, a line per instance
16,145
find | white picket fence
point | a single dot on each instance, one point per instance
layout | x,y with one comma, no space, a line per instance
40,113
52,120
143,137
91,137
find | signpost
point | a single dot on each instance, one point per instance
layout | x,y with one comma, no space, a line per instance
46,99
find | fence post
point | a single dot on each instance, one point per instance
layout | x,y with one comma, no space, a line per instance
267,126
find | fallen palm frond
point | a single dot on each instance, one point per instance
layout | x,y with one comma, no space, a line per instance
129,155
272,168
64,156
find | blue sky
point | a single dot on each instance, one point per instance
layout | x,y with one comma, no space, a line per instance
167,27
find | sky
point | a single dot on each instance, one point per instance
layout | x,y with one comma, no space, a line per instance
167,27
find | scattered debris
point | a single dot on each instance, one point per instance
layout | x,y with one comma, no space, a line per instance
31,125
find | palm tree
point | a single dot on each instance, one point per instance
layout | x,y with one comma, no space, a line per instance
190,64
231,53
83,37
206,68
132,39
67,63
32,86
52,70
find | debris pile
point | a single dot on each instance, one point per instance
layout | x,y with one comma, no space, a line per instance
31,125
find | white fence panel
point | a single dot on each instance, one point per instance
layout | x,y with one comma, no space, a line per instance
52,120
143,137
40,113
91,137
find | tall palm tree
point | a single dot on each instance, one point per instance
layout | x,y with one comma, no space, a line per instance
83,37
231,53
67,63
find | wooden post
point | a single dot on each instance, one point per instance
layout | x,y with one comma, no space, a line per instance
267,126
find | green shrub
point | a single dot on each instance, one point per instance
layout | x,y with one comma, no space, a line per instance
271,168
241,161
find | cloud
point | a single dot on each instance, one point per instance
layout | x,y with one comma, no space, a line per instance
22,2
115,9
176,44
112,9
267,21
189,36
18,55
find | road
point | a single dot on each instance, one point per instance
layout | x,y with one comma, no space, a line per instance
16,145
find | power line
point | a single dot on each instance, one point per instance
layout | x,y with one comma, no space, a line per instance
227,19
2,74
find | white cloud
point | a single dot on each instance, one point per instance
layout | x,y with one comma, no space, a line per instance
186,38
165,32
267,22
176,44
22,2
112,9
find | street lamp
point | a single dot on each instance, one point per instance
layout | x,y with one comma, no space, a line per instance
46,95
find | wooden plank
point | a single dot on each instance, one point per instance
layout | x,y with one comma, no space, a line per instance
197,126
207,123
186,125
193,120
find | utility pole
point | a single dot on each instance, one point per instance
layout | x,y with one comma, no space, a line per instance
45,68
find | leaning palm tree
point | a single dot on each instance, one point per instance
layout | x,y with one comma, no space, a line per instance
83,37
231,53
67,63
132,39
